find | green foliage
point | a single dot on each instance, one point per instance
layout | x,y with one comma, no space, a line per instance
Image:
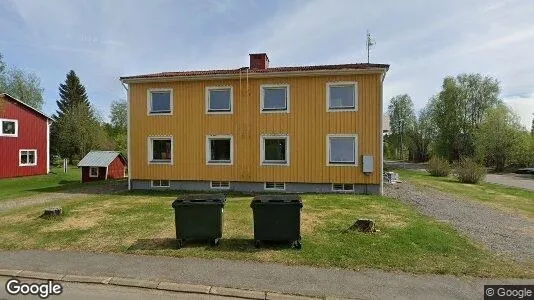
438,167
25,86
117,130
419,138
468,170
401,121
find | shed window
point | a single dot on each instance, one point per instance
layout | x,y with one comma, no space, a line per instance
160,101
9,127
219,99
219,149
93,172
275,150
342,96
275,98
160,150
342,149
27,157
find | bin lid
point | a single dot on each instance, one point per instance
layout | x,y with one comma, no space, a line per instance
199,199
277,199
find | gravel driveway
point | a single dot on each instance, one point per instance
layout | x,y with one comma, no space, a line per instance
503,233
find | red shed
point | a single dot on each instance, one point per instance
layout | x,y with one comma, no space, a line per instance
24,139
103,165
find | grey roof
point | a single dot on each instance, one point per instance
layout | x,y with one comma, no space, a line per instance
98,158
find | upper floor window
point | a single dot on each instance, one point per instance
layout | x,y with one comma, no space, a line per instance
159,101
160,150
219,100
9,127
27,157
274,98
342,149
342,96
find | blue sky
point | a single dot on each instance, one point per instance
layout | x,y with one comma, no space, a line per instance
422,40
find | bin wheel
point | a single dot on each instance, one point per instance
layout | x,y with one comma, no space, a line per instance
257,243
297,244
215,242
179,244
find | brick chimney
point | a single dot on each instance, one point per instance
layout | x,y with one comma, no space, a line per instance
259,61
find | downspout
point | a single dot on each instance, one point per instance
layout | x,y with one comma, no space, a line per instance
381,188
48,123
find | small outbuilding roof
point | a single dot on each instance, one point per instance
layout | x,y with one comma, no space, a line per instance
99,158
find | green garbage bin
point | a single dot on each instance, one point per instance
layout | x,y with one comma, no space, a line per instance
199,217
277,218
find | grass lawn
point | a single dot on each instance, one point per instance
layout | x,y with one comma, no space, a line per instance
144,224
29,185
511,199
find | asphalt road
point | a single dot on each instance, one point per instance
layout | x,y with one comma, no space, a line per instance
73,290
524,181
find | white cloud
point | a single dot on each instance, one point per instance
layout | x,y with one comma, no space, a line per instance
524,107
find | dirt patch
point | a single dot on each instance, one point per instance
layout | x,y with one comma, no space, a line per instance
74,222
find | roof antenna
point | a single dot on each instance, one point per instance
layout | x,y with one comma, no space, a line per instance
369,43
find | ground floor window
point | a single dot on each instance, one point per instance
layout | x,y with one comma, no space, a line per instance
279,186
220,184
161,183
160,150
219,149
93,172
274,150
27,157
342,149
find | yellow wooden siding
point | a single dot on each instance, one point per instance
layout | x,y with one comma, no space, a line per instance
307,125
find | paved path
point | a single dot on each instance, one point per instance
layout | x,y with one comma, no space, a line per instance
76,193
524,181
72,290
503,233
303,280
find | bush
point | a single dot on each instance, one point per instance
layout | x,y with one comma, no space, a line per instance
438,167
468,170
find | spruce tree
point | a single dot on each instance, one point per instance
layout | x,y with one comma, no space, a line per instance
71,93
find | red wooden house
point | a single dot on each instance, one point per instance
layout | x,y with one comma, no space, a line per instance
24,139
103,165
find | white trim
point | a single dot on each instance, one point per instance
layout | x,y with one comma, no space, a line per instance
125,174
48,123
149,101
343,187
208,149
129,130
207,100
342,83
220,183
160,186
150,149
300,73
262,149
97,172
262,98
106,177
16,134
356,148
27,164
274,188
381,155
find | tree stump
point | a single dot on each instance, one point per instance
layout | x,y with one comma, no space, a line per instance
363,225
51,212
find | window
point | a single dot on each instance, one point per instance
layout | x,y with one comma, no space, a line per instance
279,186
341,149
159,101
219,100
274,98
342,187
220,184
9,127
160,183
274,150
93,172
27,157
160,150
219,149
342,96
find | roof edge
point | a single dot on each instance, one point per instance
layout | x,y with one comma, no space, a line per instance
26,105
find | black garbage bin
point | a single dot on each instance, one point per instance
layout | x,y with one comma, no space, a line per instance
199,217
276,218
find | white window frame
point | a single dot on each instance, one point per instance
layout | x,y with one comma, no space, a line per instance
343,187
262,98
356,149
149,101
125,172
150,150
27,164
160,186
207,100
330,84
208,149
16,134
219,187
264,137
274,188
97,171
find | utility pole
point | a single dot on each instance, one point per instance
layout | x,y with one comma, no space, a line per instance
369,42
